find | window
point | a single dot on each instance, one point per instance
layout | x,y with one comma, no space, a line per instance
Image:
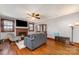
38,28
31,26
8,25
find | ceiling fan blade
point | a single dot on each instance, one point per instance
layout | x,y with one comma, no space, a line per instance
29,14
37,17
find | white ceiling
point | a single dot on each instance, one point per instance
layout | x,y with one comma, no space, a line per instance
47,11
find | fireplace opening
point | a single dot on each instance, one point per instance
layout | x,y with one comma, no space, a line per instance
22,34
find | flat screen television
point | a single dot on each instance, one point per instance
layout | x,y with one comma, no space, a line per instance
21,23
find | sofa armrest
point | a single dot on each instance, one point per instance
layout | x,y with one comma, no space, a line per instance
30,38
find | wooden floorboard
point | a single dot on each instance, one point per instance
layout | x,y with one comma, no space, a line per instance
50,48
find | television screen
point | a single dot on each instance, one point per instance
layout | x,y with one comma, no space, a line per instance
21,23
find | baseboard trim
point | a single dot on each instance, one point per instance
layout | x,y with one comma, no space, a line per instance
50,38
76,43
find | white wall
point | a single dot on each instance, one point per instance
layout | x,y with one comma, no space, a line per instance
60,25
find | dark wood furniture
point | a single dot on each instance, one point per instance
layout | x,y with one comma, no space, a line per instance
62,39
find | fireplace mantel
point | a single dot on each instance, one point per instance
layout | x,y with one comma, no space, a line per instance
22,27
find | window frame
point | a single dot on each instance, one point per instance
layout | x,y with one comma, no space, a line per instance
2,25
31,27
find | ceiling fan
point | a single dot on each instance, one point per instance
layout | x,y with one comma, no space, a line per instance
34,15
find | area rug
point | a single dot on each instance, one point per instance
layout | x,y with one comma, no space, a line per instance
20,44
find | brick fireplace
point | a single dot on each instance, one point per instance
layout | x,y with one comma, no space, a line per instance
21,31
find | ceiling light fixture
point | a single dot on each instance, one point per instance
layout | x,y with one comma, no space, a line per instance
33,18
70,25
76,24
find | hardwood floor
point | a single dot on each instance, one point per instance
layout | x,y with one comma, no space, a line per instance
51,48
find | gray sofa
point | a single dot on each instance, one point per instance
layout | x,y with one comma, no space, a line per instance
35,40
